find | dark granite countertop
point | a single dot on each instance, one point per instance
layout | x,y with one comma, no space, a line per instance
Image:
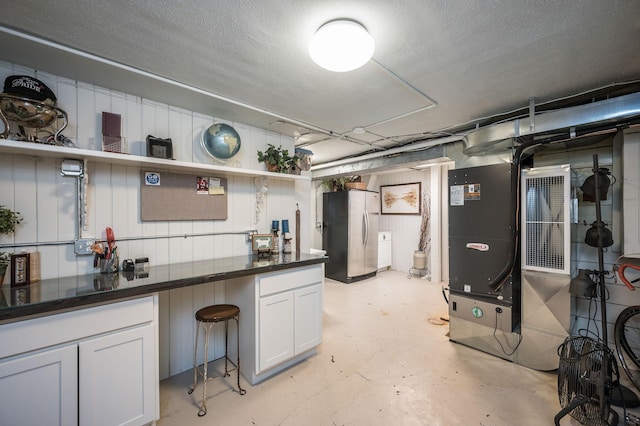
48,296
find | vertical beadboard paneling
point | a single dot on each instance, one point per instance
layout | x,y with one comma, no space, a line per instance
25,200
631,204
132,215
164,341
181,134
181,310
200,124
48,201
86,125
48,211
405,228
102,200
119,200
132,126
68,101
7,198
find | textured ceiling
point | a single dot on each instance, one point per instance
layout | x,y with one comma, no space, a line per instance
473,59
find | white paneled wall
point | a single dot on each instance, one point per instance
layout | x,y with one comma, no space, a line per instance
47,201
631,195
405,229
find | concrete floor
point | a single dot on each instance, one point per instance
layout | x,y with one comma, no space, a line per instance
385,360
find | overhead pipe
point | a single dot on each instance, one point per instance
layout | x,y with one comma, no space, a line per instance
607,111
406,148
498,283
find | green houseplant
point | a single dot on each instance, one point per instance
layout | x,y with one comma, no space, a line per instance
8,221
277,159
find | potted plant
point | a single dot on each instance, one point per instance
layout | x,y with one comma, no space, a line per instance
335,184
8,221
277,159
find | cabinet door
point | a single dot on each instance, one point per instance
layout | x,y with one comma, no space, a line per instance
308,317
40,389
117,378
384,254
275,338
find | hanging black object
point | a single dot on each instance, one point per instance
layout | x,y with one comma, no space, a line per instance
588,370
582,285
588,188
591,238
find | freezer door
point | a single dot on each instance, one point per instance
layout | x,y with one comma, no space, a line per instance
372,208
356,238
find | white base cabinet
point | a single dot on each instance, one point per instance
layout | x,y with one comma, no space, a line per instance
280,319
92,366
40,388
116,372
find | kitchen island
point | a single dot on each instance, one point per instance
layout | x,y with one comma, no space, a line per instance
84,350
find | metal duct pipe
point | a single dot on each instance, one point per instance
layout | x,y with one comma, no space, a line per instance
407,148
609,110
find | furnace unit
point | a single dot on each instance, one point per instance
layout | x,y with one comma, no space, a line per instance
515,306
484,278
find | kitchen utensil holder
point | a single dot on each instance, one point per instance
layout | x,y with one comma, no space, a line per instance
109,266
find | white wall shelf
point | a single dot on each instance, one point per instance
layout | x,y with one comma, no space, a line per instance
153,164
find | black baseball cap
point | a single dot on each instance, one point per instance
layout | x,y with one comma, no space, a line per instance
29,87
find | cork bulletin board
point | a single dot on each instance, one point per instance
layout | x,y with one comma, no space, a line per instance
173,196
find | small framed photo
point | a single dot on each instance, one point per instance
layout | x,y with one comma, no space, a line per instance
20,270
401,199
159,148
262,242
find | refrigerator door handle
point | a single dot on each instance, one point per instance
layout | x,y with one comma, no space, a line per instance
365,218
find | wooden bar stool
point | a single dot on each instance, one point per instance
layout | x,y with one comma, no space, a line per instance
207,317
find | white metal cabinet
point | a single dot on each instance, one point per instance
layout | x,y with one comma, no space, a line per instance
40,389
384,249
117,378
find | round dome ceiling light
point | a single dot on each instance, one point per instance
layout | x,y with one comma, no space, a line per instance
341,45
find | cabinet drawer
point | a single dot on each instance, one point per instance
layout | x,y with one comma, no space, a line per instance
283,281
60,328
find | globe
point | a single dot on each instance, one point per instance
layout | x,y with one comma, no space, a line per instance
221,141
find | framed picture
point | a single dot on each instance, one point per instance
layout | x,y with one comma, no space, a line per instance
405,198
262,242
20,269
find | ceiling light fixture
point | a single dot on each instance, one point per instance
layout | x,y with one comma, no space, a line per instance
341,45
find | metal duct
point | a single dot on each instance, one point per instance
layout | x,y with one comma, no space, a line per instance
611,110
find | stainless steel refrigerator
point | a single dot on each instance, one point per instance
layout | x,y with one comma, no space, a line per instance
350,234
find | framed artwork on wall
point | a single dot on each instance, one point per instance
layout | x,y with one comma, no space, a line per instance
401,199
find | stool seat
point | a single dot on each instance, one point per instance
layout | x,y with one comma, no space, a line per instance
217,313
207,318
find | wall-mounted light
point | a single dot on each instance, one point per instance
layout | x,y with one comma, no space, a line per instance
341,45
582,285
